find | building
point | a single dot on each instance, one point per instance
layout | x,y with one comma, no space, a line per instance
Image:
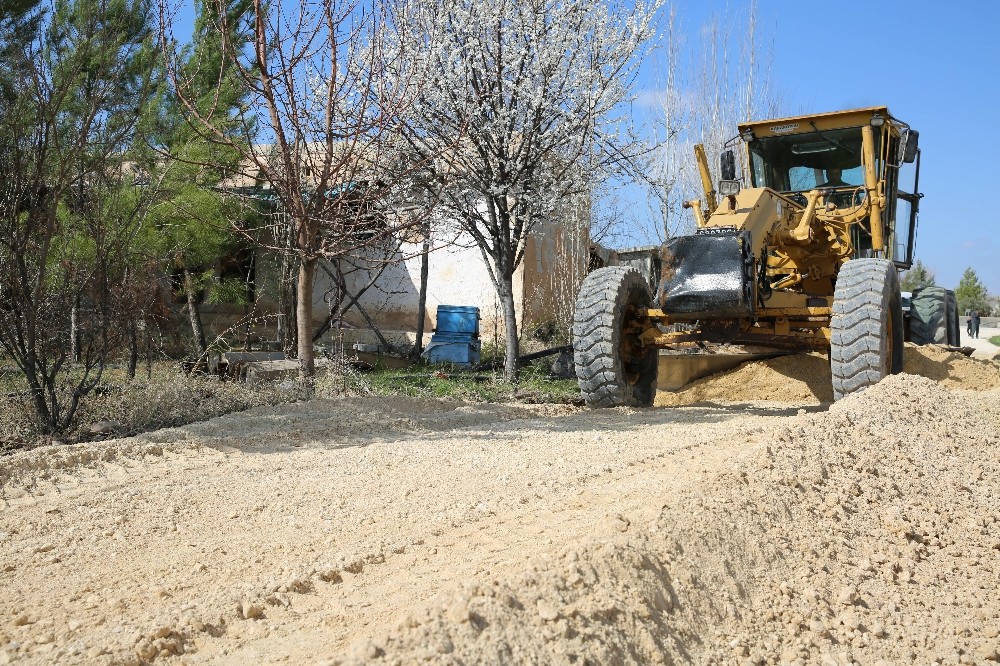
546,282
545,287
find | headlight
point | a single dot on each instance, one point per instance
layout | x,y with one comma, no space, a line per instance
729,188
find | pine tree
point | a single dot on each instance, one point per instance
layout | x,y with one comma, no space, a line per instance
916,278
971,294
19,21
192,220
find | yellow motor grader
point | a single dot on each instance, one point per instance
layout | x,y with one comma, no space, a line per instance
800,253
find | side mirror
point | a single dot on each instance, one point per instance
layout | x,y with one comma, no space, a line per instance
728,166
910,146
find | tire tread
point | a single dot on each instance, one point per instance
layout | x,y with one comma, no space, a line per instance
599,309
867,289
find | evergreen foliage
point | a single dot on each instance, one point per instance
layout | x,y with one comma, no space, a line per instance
193,218
917,277
971,294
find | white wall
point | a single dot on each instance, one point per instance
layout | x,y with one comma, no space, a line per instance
457,276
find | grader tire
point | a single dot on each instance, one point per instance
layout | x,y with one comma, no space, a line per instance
866,327
929,317
954,329
612,368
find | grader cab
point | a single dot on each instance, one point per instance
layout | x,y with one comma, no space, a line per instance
800,253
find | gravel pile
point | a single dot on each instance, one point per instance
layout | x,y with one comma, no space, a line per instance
393,531
869,534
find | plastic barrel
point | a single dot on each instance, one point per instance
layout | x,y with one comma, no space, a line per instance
461,319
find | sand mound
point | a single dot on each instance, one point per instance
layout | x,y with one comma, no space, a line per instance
600,602
951,369
805,378
851,536
448,533
266,429
802,378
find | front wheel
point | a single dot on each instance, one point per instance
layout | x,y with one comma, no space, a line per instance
867,326
612,366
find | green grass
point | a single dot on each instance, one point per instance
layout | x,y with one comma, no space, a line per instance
456,383
995,340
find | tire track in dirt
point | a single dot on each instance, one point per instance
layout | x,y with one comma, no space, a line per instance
160,553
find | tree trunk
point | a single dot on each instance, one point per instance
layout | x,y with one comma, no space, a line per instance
74,333
287,310
418,346
133,349
194,313
149,351
506,294
46,422
304,318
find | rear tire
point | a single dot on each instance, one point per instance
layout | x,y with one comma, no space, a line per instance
612,367
954,329
866,327
929,317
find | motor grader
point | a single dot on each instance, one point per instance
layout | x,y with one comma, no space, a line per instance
798,253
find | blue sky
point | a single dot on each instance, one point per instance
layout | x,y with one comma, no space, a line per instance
936,66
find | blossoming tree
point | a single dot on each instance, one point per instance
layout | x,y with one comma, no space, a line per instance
521,108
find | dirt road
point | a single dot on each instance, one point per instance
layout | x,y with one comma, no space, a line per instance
392,531
982,345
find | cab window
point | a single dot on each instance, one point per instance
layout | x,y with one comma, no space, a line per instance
802,162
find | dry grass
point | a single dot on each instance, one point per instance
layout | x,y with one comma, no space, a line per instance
164,398
167,398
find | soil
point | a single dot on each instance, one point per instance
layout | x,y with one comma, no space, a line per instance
805,378
392,531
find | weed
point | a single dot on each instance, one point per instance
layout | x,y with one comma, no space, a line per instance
169,398
460,383
166,398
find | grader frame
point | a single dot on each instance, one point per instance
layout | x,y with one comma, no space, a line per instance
800,254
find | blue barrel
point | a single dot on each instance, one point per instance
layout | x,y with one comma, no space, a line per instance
456,338
459,353
458,319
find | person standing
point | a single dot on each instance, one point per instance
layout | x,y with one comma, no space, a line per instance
975,323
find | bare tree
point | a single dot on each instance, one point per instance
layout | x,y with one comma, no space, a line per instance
708,85
69,211
319,132
534,89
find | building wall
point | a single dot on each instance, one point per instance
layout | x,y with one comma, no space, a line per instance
456,276
545,287
555,263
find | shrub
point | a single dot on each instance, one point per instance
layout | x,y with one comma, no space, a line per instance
165,399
